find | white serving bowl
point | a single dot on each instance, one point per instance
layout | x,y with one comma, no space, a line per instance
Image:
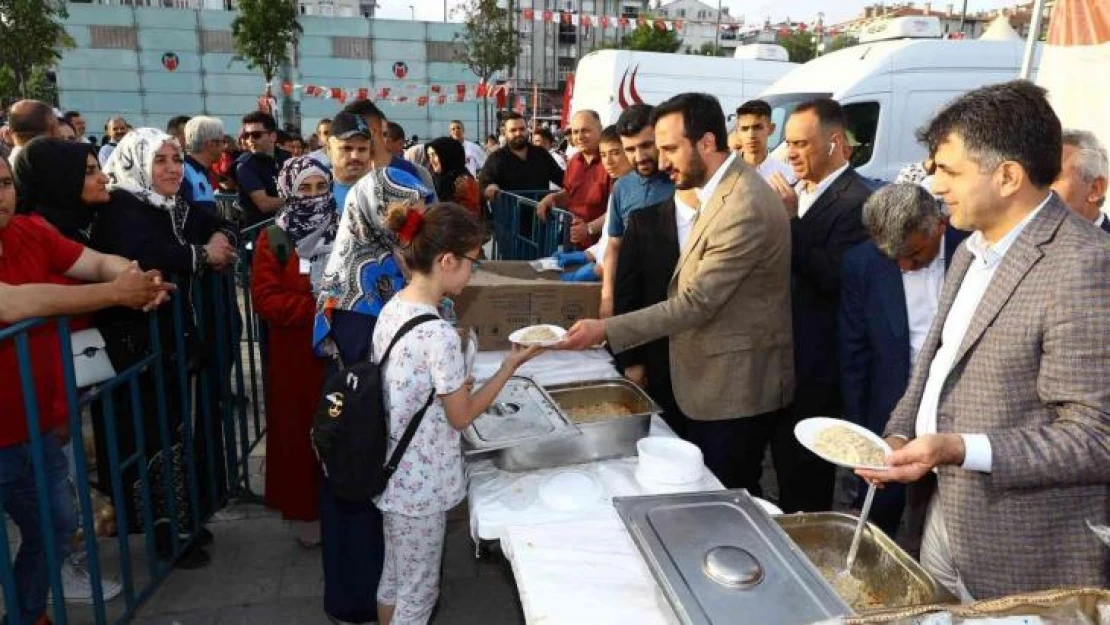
666,460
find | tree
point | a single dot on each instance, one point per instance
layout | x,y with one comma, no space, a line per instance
489,44
711,49
799,45
840,42
31,34
264,32
649,39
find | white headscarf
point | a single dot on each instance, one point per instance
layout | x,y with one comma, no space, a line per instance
131,166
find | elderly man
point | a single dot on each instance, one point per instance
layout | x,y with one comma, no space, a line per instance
115,128
727,311
1083,177
586,186
889,290
1008,400
204,143
29,119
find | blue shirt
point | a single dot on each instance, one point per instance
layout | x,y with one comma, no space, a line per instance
414,170
632,192
340,190
196,189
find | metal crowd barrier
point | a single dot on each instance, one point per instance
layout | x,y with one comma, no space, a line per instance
519,235
210,416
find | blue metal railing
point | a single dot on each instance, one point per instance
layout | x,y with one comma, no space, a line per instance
518,234
213,394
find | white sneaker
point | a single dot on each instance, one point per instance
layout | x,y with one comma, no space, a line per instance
77,585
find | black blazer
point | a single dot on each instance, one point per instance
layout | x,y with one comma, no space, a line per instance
875,332
829,228
648,254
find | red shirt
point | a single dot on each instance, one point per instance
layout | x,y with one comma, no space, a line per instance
587,187
33,253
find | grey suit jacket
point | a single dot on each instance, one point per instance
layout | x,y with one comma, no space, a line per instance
728,307
1030,374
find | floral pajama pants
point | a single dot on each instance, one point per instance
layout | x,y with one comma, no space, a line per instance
410,577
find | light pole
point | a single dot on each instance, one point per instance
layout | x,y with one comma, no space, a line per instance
445,11
412,9
717,33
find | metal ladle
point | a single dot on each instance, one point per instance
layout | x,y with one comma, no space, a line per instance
853,551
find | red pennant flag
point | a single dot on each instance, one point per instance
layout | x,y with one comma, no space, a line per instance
801,26
403,99
501,97
604,21
482,90
678,24
586,21
383,93
624,22
441,100
548,16
363,93
528,15
437,89
338,94
660,25
460,92
287,88
422,101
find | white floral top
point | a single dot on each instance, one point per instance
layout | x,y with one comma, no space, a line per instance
430,478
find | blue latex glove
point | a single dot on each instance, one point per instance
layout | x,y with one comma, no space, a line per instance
571,259
585,273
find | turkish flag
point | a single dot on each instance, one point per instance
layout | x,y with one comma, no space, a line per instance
437,89
586,21
624,22
287,88
363,93
460,92
441,100
383,93
604,21
422,101
338,94
548,16
528,15
678,24
482,90
501,96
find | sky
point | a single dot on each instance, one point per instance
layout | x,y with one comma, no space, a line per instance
753,10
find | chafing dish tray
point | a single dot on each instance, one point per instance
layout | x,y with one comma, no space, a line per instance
887,577
523,413
719,558
600,436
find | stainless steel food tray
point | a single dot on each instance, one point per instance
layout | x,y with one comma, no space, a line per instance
615,437
887,571
720,559
523,413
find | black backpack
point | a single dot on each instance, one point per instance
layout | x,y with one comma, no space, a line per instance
350,431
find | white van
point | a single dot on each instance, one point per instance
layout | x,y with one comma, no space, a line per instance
609,81
891,88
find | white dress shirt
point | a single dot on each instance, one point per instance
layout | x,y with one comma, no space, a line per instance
806,199
684,216
475,157
771,165
974,285
922,289
1100,220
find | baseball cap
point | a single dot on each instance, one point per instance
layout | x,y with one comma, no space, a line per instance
346,125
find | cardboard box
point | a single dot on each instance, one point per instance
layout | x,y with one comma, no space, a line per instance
504,296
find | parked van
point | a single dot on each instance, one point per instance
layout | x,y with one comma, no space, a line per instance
609,81
891,85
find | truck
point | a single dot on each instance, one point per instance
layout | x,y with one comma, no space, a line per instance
609,81
893,82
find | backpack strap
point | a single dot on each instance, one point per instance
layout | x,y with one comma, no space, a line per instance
414,423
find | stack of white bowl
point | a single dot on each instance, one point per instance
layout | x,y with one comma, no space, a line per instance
669,465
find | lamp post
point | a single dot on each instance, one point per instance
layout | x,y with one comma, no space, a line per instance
412,9
717,32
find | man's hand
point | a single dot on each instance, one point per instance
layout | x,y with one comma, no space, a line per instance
545,205
911,461
143,291
584,335
492,191
786,193
221,252
637,375
606,310
579,231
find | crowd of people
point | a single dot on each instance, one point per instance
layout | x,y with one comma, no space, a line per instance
959,311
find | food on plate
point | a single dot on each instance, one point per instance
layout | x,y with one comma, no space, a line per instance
538,334
849,447
598,411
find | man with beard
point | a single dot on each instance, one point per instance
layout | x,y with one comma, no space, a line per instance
519,166
727,315
349,147
644,186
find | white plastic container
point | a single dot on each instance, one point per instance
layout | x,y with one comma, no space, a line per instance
671,461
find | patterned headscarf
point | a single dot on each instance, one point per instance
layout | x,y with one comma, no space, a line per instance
311,222
362,273
131,166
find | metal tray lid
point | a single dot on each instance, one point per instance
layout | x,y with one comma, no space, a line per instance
522,413
720,558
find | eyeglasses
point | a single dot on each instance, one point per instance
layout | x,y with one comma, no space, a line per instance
475,263
255,135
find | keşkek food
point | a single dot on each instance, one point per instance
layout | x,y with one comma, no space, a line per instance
848,447
539,334
598,411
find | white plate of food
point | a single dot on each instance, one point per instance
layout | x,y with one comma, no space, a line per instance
543,335
843,443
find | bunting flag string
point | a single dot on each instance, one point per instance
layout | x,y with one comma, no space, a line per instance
613,23
419,94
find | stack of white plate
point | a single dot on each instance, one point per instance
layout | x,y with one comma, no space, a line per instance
668,465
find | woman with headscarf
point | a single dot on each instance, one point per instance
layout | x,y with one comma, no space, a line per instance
454,182
361,276
284,268
61,181
147,221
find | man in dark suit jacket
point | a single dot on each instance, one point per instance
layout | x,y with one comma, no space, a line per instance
890,286
649,252
825,208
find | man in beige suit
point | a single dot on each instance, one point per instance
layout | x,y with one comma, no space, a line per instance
1009,401
728,312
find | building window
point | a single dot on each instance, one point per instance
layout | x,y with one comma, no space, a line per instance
350,47
216,41
445,51
682,12
114,37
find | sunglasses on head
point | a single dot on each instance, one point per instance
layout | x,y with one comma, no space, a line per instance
255,134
